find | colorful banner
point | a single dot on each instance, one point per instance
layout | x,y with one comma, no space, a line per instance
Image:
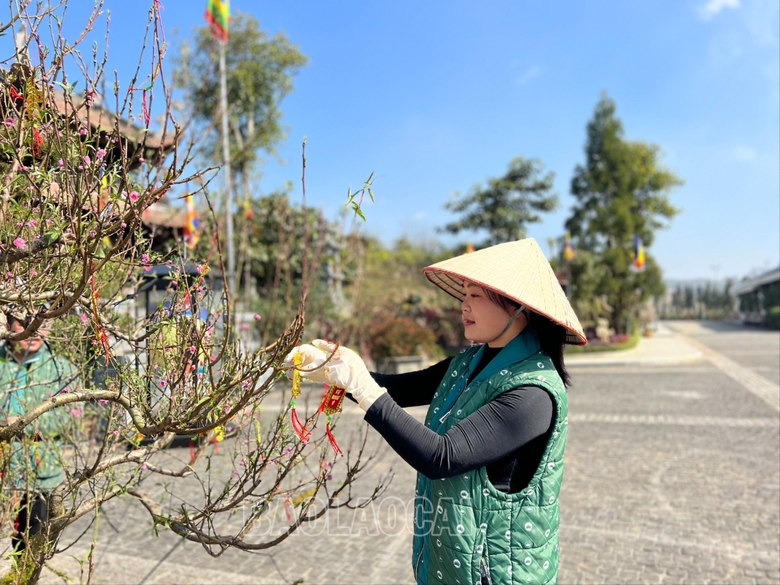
191,235
568,251
639,254
218,17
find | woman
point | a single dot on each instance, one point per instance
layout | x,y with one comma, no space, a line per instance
490,454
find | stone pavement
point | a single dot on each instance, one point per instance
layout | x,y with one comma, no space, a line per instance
672,476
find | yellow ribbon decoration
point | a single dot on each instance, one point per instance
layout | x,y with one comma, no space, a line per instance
296,380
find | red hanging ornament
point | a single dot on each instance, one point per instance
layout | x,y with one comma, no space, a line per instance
37,141
331,404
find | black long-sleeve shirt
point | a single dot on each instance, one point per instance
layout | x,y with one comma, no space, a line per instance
508,435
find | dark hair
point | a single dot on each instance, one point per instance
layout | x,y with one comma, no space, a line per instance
551,335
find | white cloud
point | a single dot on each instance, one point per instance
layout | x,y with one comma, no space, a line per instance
419,216
713,7
529,74
744,153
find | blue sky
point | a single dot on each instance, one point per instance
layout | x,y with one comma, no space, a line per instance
434,97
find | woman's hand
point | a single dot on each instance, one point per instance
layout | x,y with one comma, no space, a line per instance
311,359
345,370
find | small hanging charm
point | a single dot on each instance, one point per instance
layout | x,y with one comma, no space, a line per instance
333,400
300,429
331,405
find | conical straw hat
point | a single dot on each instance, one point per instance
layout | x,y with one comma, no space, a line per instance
518,270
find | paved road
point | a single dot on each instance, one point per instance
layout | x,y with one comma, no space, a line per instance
672,476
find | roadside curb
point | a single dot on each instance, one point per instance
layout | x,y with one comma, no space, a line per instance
666,348
691,357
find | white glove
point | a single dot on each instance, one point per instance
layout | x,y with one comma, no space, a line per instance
345,370
312,358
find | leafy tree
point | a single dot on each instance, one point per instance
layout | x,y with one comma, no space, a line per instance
621,191
506,205
260,72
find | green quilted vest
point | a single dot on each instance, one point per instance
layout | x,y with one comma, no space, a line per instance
37,463
465,527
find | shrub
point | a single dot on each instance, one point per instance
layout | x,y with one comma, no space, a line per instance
401,336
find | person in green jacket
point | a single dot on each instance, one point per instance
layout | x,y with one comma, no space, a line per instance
489,455
32,463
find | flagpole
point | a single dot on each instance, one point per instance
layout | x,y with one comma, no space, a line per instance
231,252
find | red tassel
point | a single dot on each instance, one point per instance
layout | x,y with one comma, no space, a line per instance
37,142
216,446
192,451
332,439
288,509
303,433
15,94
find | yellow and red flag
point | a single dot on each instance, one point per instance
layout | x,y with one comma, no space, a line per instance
191,235
568,251
639,253
218,17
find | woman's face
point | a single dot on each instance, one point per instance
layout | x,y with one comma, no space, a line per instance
26,347
484,320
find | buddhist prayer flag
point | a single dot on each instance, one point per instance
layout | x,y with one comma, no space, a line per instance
469,248
191,235
639,253
218,17
568,251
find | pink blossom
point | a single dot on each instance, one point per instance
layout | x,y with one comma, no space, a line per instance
134,196
10,122
20,243
32,223
100,154
141,159
257,317
147,267
83,318
33,272
145,258
61,164
102,401
83,132
116,433
87,160
191,349
144,467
